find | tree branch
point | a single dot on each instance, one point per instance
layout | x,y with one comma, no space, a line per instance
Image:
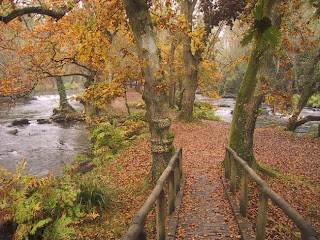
56,14
66,75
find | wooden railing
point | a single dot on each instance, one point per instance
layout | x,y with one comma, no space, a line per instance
232,161
172,174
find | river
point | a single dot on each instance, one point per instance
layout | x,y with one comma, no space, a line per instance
266,117
47,147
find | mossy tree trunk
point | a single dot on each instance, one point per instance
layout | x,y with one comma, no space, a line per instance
310,87
248,100
64,104
244,116
154,95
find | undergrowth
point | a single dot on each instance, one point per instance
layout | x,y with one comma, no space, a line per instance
203,110
59,208
49,207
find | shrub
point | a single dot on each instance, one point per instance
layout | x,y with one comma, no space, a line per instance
136,116
315,100
138,104
93,193
205,113
107,138
202,104
133,128
48,208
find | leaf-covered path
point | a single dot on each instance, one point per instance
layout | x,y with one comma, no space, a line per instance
205,212
296,158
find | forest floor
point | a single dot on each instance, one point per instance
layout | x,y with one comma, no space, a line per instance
296,160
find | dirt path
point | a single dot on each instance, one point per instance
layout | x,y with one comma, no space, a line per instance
205,213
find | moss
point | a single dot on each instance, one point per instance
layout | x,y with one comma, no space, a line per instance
267,170
241,136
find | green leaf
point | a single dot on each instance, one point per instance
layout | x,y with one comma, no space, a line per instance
246,39
258,12
262,44
274,31
271,35
40,224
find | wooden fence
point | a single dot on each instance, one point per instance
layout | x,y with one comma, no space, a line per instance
172,175
231,165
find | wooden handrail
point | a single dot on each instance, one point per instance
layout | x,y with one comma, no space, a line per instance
172,174
232,160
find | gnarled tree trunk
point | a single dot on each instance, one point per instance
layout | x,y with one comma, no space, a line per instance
154,95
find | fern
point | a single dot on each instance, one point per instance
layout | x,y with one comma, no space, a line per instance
60,229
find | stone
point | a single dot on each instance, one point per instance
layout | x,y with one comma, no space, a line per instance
44,121
13,132
224,105
20,122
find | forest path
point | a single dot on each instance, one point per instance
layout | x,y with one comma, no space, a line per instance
205,212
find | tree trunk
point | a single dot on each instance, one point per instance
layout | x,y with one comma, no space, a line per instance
191,61
89,109
181,93
64,104
243,121
310,87
172,95
172,90
155,97
190,64
248,101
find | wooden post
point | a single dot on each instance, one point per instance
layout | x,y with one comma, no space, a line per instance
177,176
233,177
143,234
180,162
244,193
161,217
227,165
262,217
171,192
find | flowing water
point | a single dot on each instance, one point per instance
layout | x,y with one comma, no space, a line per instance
46,147
266,117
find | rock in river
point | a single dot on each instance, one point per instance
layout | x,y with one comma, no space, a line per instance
43,121
20,122
13,132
